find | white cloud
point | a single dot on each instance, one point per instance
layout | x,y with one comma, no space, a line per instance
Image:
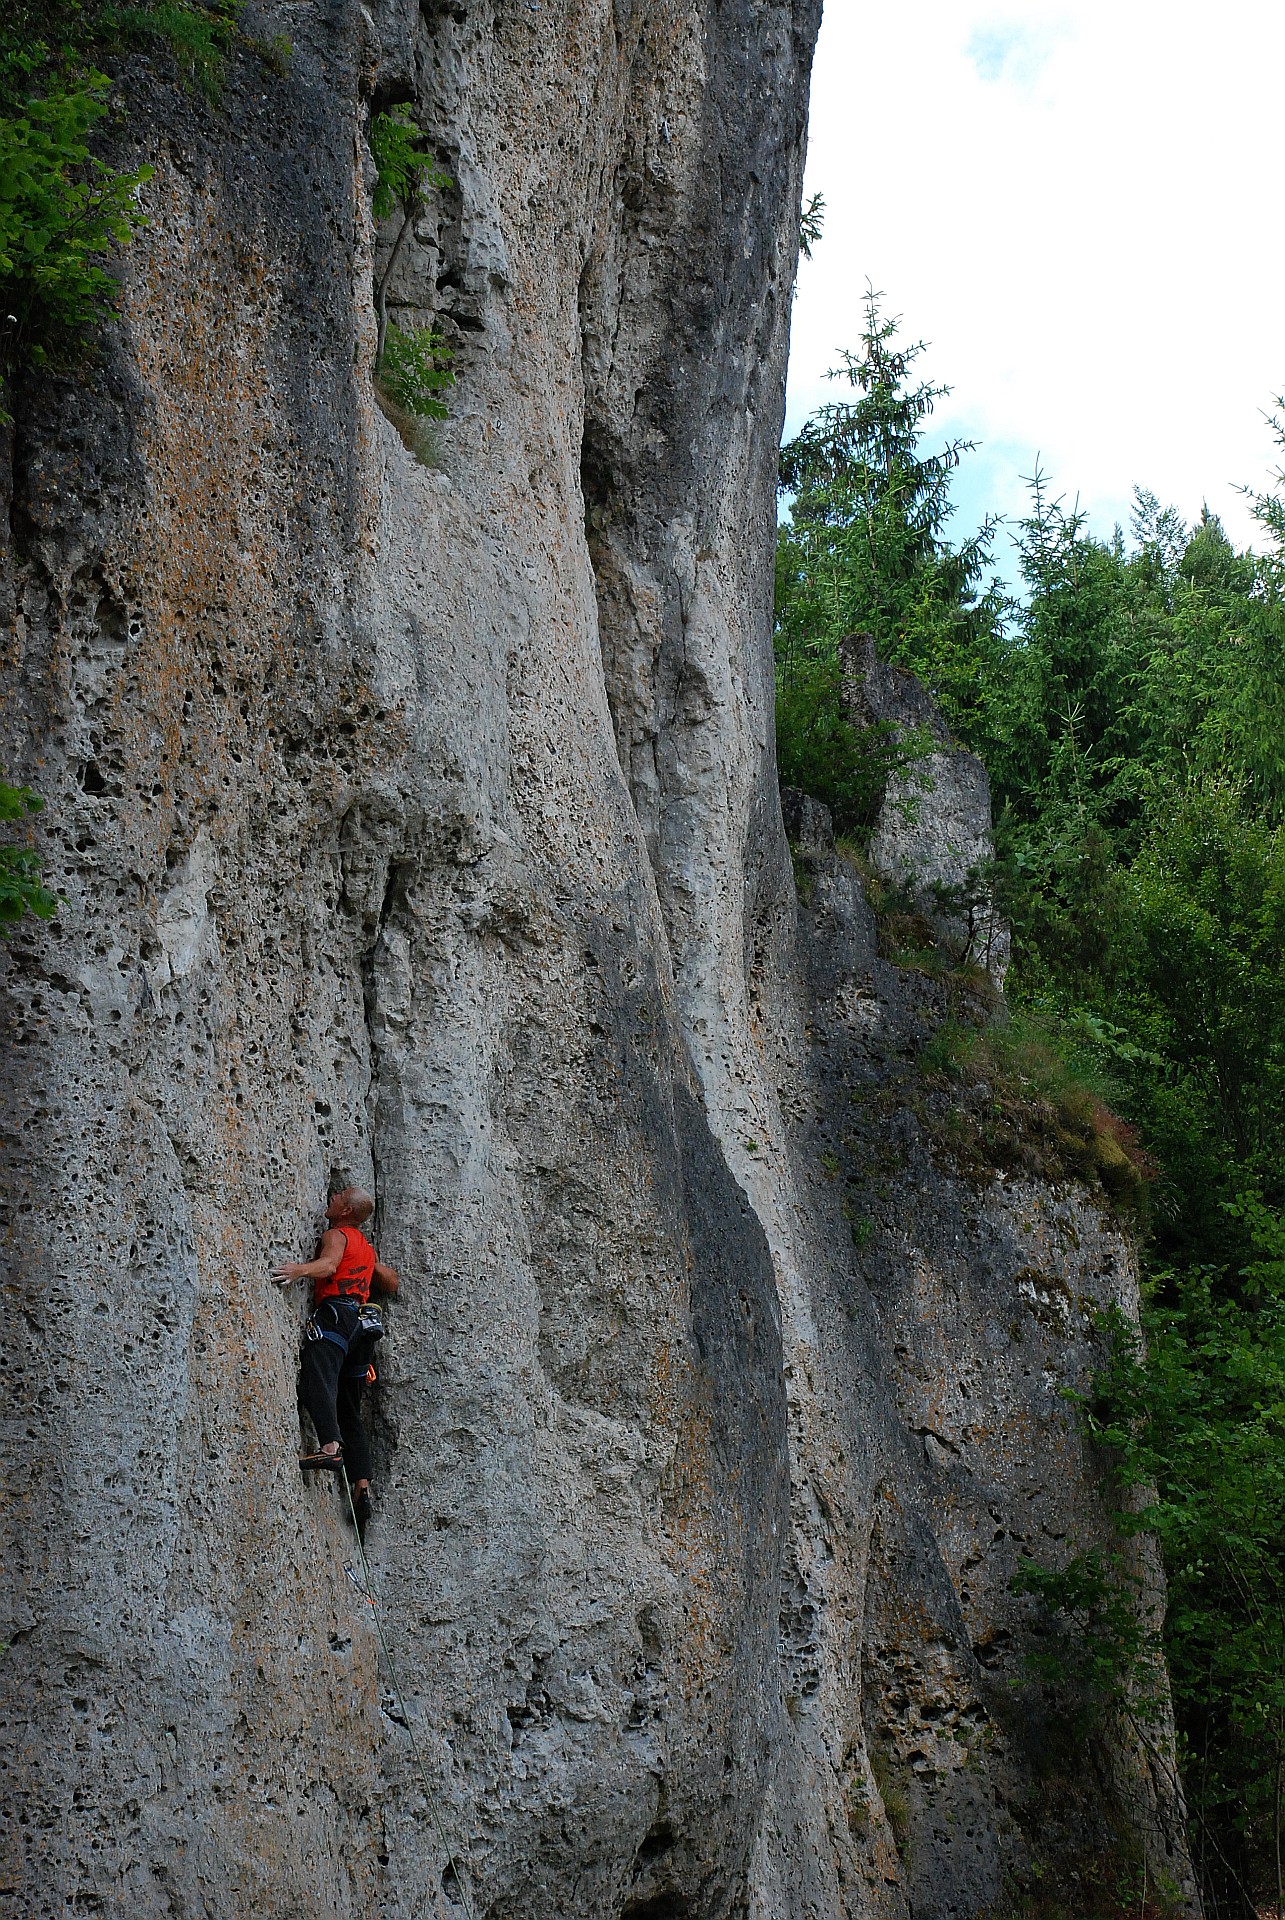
1014,50
1078,206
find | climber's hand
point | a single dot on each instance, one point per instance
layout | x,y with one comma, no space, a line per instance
325,1264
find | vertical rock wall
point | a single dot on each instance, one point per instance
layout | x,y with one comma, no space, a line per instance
967,1293
419,821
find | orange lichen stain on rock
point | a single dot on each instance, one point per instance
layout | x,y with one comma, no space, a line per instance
697,1555
209,562
686,1543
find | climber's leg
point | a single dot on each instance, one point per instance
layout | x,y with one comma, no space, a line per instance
318,1386
356,1447
352,1429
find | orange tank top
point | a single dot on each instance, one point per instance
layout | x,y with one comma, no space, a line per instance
352,1277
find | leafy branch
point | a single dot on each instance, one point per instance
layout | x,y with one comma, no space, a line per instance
811,224
404,174
415,368
61,209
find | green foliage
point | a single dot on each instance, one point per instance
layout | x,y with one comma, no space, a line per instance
1137,754
20,867
891,1782
412,366
820,750
62,39
404,170
415,368
1200,986
864,550
1048,1110
1197,1422
1269,511
811,224
1105,1646
61,210
198,35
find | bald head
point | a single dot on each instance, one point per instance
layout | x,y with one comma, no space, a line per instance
349,1207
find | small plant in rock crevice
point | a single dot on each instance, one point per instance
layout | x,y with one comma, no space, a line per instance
416,367
404,174
890,1781
413,365
811,224
21,888
416,424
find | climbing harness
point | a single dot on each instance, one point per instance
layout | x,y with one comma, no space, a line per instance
366,1587
327,1322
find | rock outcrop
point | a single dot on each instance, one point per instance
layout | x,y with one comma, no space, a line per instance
932,837
420,822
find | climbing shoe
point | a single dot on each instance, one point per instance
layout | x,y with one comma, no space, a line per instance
362,1507
330,1462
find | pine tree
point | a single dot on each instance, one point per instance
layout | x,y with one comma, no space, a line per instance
865,548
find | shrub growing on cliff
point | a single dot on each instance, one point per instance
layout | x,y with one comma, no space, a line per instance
820,750
1100,1641
21,890
404,173
415,369
61,211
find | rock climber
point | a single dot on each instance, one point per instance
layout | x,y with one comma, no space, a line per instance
335,1364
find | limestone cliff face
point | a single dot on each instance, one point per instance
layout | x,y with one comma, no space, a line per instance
420,822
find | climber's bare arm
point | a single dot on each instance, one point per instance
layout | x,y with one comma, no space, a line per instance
384,1280
329,1254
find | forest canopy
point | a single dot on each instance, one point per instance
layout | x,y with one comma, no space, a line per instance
1129,705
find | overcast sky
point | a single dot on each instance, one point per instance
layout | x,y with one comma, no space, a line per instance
1079,207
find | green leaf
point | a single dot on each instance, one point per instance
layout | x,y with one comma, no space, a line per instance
416,367
404,170
21,890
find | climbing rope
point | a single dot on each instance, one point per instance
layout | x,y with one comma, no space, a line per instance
368,1590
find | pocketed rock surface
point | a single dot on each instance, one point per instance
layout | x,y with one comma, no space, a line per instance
416,820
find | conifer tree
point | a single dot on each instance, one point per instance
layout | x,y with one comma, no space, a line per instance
865,548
